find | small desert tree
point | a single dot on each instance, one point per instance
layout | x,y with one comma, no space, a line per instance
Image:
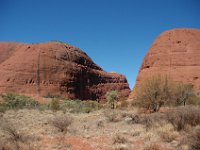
183,92
153,92
112,98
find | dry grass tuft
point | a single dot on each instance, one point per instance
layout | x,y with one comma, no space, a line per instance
150,120
14,137
4,145
194,139
14,140
62,122
182,117
167,133
113,116
119,139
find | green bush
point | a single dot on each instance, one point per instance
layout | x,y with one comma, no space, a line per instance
12,100
79,106
55,104
43,107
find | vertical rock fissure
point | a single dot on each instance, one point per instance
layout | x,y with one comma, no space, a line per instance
38,74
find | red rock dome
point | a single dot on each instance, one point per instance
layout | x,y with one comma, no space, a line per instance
175,53
55,68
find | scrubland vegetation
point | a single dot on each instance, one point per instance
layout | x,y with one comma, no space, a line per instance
159,90
165,115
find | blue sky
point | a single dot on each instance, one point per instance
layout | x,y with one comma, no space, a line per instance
116,34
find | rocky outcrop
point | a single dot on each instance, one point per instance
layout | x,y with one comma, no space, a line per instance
55,68
175,53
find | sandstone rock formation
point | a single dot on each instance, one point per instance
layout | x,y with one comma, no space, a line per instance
55,68
175,53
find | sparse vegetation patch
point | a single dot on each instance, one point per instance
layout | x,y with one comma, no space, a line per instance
14,101
183,117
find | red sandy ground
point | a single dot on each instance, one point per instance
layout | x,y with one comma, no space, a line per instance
96,143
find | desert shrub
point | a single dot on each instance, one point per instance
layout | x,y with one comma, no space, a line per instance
149,120
154,92
62,123
137,133
100,124
131,118
55,104
167,133
119,139
12,100
168,136
181,117
157,91
87,107
112,98
10,129
71,105
4,145
123,104
193,100
12,138
43,107
77,106
194,140
113,116
15,138
3,107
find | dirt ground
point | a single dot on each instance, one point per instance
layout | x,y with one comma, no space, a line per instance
88,131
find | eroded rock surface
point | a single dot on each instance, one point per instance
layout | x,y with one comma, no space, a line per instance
57,69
